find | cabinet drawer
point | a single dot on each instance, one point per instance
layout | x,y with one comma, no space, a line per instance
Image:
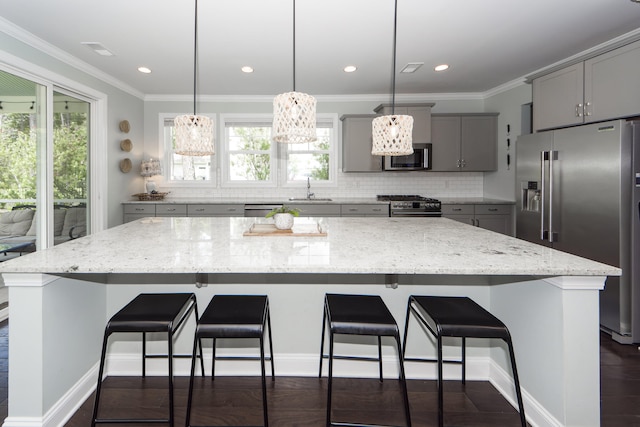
171,210
364,210
140,208
493,209
457,209
215,210
317,210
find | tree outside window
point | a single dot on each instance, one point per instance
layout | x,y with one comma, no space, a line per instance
249,148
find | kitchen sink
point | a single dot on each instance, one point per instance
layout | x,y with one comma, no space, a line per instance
304,199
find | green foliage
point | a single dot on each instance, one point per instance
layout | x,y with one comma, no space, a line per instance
283,209
253,167
19,150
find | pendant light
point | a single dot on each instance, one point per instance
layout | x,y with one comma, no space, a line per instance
194,133
392,134
294,113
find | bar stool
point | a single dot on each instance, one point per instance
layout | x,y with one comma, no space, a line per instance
359,315
235,316
148,313
458,317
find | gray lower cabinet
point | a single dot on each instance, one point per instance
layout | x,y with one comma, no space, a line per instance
364,210
356,144
307,209
464,142
600,88
215,210
498,218
136,211
171,210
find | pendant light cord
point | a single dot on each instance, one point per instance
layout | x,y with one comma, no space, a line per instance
195,56
395,26
294,45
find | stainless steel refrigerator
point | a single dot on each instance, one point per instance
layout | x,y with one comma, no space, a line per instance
579,192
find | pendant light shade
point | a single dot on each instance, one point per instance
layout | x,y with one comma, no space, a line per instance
392,134
294,113
294,118
194,134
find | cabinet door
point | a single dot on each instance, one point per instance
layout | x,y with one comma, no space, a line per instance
479,143
312,209
611,84
496,218
365,210
445,140
461,213
558,97
171,210
222,209
356,145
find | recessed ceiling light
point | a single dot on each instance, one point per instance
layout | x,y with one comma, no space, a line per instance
144,70
411,67
98,48
441,67
350,68
247,69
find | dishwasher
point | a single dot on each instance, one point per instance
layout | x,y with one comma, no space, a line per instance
259,210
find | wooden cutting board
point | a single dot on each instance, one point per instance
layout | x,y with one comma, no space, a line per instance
298,230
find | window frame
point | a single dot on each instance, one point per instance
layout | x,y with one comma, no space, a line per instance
166,149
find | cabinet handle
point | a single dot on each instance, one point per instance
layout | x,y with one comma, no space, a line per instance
231,209
456,209
377,210
353,210
459,163
464,163
200,210
171,210
477,223
579,110
493,210
140,209
587,109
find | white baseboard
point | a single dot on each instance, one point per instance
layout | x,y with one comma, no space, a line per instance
536,414
303,365
64,408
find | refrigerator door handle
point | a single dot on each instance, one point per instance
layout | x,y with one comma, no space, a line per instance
553,155
544,156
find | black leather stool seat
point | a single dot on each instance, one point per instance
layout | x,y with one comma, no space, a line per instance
148,313
235,316
462,317
359,315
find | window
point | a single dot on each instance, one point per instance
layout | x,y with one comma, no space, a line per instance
250,157
183,169
250,153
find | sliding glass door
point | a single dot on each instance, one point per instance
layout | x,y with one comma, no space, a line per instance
44,166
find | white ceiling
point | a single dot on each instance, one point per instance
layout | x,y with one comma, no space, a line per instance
487,43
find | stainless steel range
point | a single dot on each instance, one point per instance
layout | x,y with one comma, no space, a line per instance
412,205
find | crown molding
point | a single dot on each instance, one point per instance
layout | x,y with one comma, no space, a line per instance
26,37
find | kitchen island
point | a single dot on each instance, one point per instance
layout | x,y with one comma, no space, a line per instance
61,298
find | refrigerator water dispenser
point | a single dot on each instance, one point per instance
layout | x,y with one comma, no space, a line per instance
530,196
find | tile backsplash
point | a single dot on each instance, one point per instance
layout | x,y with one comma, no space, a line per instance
428,184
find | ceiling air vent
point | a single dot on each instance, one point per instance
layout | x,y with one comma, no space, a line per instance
98,48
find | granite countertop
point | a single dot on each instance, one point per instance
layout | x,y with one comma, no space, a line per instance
352,246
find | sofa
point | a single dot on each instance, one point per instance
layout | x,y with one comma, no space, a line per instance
20,224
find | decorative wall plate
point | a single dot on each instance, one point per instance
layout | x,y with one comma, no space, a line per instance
124,126
125,165
126,145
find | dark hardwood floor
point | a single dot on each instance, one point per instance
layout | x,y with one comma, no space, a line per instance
301,402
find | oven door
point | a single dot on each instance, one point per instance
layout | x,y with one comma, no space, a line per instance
419,160
416,214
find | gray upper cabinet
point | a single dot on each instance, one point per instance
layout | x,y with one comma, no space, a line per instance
421,114
464,142
356,144
601,88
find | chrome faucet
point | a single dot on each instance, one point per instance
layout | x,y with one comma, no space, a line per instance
309,193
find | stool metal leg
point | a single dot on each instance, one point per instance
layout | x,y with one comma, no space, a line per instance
100,373
380,355
264,383
440,384
213,361
144,354
403,383
324,323
193,369
170,352
516,381
330,378
464,360
273,369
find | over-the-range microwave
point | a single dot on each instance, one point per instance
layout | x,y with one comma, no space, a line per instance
419,160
